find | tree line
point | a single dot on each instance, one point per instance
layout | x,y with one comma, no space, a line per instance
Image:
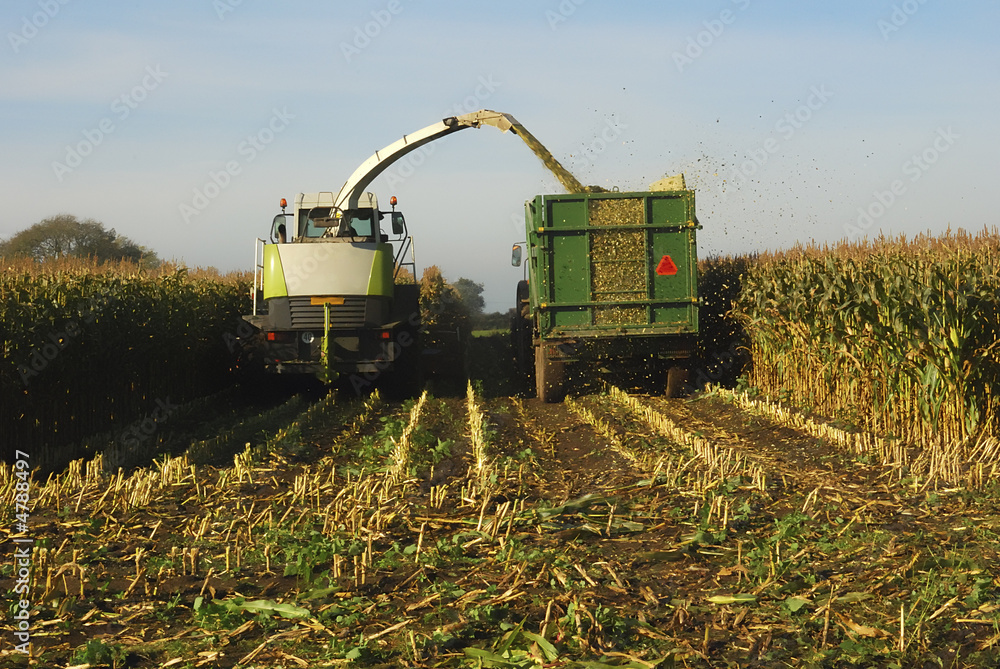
66,236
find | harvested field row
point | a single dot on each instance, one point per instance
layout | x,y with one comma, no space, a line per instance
474,531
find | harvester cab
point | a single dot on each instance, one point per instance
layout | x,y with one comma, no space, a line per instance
326,302
314,219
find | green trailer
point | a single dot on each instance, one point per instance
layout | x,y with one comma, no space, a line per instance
611,284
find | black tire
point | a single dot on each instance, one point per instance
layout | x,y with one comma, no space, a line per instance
677,378
406,379
550,377
521,335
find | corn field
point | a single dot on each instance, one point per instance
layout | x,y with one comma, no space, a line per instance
899,338
90,349
485,529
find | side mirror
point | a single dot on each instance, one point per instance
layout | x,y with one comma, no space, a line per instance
279,233
515,255
398,223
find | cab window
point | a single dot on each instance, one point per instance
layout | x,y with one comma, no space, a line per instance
307,221
358,224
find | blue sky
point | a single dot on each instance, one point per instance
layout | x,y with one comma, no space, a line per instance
794,121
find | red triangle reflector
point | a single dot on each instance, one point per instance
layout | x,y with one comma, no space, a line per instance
666,267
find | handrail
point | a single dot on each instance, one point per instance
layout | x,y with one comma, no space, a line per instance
258,270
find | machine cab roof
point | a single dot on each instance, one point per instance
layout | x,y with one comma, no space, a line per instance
316,218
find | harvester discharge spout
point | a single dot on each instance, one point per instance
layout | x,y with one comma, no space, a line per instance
352,190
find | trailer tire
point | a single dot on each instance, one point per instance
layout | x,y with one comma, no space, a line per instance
677,378
550,377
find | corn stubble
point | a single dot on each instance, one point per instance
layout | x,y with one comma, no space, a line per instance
324,498
392,555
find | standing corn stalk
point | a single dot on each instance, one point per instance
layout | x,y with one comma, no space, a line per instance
91,348
400,458
900,338
480,473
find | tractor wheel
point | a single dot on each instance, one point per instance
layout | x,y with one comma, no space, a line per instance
550,377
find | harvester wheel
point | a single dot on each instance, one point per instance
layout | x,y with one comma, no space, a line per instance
550,381
521,333
407,379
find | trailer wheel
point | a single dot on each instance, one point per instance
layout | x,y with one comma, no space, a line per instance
550,377
677,378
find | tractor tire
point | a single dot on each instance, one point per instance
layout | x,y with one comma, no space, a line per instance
550,377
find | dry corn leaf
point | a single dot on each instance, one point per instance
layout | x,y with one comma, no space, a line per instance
742,598
863,630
